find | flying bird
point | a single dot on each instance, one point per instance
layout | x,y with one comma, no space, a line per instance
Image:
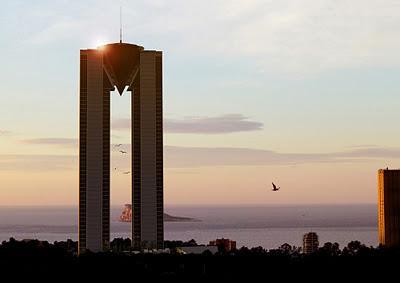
275,188
127,172
123,152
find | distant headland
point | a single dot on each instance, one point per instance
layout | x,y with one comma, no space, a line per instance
126,216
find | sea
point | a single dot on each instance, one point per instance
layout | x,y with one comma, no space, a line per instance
250,226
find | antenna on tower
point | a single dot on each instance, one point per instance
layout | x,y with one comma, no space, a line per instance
120,24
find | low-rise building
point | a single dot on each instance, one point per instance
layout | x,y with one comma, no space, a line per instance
226,244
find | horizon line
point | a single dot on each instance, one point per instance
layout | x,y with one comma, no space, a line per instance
206,205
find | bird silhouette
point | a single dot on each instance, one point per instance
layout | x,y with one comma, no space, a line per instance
275,188
123,152
127,172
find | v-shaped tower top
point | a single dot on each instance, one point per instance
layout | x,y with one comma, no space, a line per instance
121,63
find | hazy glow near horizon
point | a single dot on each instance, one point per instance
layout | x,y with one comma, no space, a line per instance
303,93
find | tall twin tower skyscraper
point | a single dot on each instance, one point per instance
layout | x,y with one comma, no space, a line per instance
111,66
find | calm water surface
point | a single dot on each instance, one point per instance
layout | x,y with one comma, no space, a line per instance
266,226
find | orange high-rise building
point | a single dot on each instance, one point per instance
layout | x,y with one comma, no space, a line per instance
389,207
310,243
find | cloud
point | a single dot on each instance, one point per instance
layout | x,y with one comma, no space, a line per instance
362,146
60,30
288,35
69,142
375,152
224,124
176,157
181,157
39,162
192,157
308,36
52,141
4,132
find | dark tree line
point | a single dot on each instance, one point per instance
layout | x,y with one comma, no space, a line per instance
40,258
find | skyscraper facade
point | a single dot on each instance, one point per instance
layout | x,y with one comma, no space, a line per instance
389,207
117,66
